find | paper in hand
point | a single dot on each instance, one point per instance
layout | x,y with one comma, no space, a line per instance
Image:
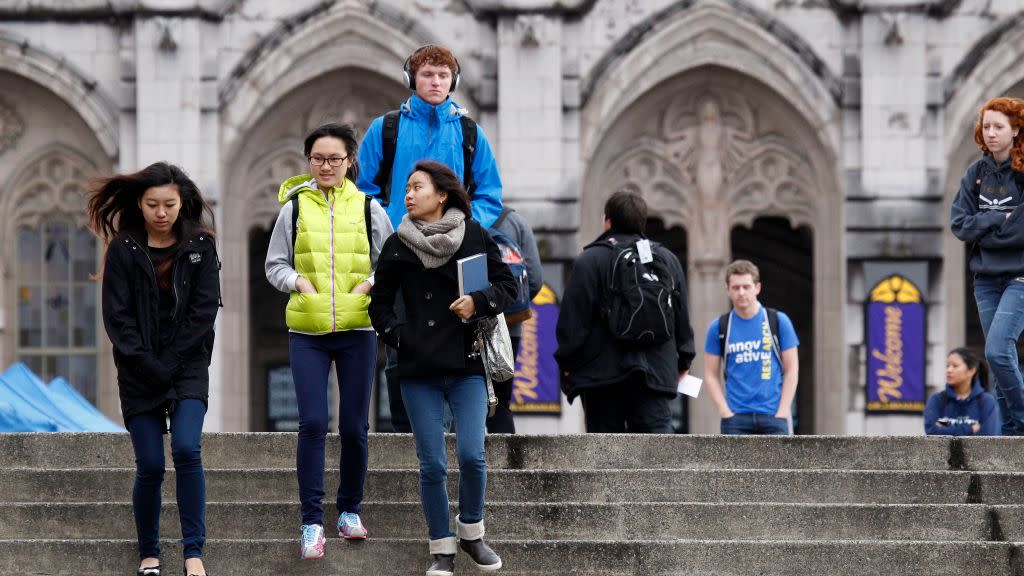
689,385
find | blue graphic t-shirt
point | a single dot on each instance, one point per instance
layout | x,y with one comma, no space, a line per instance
753,382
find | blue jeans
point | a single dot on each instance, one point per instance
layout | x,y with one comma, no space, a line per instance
147,433
1001,309
759,424
354,354
425,399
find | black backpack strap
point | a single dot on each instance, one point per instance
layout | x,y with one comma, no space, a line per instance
723,329
773,327
366,217
295,222
389,142
468,153
501,216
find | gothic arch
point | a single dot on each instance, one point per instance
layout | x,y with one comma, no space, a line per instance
712,148
79,91
714,33
348,34
53,183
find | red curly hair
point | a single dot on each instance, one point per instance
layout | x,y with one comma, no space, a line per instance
435,56
1013,108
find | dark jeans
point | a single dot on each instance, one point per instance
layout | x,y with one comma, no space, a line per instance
354,354
629,406
755,424
147,433
1001,310
502,422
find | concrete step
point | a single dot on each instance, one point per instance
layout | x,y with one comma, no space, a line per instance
593,451
562,521
382,557
807,486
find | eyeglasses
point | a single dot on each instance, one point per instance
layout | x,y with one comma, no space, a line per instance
333,161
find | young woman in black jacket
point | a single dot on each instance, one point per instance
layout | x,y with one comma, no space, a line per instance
436,357
161,294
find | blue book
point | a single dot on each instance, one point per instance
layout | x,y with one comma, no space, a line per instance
472,273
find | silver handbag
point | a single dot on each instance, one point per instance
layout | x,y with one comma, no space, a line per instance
496,352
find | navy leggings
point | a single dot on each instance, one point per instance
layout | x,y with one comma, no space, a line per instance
354,354
147,432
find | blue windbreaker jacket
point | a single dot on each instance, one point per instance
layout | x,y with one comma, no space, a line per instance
428,132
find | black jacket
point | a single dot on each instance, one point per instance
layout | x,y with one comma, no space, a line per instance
988,194
433,341
149,373
588,355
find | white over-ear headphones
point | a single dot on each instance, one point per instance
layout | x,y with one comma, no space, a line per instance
410,78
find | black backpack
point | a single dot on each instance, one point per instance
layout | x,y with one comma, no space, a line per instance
389,142
725,322
640,297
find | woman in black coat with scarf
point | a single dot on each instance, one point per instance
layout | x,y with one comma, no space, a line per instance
437,359
161,294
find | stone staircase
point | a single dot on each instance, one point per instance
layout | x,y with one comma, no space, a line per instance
589,505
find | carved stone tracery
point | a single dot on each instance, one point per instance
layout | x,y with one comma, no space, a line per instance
12,126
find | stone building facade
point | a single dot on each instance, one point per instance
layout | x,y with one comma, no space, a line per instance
820,137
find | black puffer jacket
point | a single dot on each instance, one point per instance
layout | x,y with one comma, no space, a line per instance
588,355
434,341
149,373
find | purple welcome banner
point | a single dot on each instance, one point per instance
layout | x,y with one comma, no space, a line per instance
895,347
535,389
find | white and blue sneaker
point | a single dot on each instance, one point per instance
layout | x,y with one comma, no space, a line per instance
312,542
350,527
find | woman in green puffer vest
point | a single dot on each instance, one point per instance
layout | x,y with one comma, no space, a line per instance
322,252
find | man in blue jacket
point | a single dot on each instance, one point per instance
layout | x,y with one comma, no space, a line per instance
429,125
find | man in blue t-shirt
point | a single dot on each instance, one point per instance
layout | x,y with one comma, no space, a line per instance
760,376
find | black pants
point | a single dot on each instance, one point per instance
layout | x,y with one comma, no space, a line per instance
502,422
399,419
628,406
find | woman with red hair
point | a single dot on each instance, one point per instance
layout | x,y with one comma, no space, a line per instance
986,214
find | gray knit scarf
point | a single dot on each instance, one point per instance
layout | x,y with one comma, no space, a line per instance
436,242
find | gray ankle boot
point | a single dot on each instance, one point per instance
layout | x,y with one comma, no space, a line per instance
471,540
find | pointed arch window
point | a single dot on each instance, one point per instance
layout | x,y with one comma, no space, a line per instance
56,302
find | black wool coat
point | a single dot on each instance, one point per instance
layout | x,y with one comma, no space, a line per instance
150,373
433,341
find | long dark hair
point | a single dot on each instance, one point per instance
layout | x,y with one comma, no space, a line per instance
446,181
114,207
973,360
344,132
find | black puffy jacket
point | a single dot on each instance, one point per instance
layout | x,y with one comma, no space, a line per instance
150,373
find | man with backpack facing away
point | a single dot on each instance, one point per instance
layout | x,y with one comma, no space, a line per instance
427,126
624,335
518,247
761,363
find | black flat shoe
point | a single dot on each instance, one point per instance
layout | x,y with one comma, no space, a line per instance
151,571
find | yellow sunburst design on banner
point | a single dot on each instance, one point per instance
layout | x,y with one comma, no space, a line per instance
895,288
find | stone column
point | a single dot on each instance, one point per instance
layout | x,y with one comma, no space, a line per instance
707,301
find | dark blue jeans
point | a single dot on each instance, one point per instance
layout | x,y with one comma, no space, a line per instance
755,424
1001,309
425,399
147,433
354,354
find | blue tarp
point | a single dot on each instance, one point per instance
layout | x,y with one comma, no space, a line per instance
78,408
29,405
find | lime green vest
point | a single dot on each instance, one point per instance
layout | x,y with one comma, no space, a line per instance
331,251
